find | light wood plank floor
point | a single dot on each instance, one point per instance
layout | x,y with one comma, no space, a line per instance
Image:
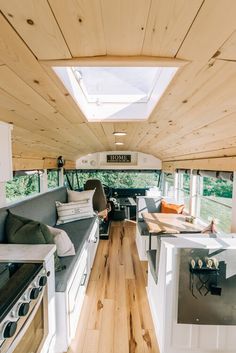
116,316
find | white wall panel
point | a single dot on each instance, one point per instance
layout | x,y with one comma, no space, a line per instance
5,152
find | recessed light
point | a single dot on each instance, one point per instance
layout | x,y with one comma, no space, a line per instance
119,143
119,133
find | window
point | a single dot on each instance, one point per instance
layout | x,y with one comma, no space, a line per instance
115,178
168,185
214,200
184,190
71,180
116,93
53,178
24,184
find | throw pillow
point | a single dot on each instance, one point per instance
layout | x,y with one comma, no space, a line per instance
171,208
74,196
21,230
65,247
73,211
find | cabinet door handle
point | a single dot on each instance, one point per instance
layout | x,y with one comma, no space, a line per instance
83,280
95,240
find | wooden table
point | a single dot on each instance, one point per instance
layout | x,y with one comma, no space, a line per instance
167,224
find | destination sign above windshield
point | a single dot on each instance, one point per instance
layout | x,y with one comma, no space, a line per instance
118,158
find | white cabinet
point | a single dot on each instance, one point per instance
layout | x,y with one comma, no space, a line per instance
5,152
172,336
69,303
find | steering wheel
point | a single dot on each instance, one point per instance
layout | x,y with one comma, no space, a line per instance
107,190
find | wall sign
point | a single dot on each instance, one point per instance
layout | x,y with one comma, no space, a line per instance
119,158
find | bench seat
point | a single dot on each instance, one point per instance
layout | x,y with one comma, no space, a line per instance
79,232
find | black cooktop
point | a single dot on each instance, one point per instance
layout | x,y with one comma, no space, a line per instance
14,280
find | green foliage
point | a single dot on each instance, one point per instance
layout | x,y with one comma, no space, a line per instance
22,186
53,179
217,187
116,179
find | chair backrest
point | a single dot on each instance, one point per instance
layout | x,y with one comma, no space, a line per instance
99,197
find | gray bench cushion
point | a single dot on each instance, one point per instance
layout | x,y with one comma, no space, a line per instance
39,208
78,232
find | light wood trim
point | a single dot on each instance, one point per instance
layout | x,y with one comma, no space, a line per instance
46,163
27,164
51,163
70,165
105,60
221,164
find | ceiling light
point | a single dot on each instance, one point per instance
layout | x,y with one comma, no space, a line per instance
119,143
119,133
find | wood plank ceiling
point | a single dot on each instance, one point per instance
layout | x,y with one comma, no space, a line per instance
195,118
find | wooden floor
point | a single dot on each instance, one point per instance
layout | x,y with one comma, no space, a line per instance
116,316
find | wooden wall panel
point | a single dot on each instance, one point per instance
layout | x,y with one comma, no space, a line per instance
217,132
15,54
36,25
196,116
212,27
37,145
35,122
228,49
81,24
222,152
27,163
124,25
168,23
221,164
34,163
211,98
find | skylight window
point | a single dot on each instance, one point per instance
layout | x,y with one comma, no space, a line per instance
116,93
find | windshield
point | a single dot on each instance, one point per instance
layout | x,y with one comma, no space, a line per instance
116,178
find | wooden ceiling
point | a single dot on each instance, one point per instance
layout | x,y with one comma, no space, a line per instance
195,118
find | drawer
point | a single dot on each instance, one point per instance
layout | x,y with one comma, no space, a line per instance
75,301
92,250
79,277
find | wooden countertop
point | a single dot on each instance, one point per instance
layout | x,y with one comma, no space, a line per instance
168,223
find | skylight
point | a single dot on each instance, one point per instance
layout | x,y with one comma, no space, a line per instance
116,93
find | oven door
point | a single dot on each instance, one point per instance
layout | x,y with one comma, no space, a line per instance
31,331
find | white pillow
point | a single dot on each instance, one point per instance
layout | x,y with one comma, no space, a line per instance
72,211
64,245
74,196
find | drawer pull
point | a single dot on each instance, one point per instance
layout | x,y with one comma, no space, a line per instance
95,240
82,283
83,280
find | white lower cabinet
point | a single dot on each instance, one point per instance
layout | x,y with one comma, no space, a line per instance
70,302
76,295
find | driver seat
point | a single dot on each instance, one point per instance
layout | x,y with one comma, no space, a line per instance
99,197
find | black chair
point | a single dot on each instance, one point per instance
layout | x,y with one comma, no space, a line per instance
99,197
100,205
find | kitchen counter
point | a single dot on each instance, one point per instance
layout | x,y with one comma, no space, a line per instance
174,337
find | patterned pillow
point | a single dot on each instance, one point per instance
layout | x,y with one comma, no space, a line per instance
73,211
74,196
